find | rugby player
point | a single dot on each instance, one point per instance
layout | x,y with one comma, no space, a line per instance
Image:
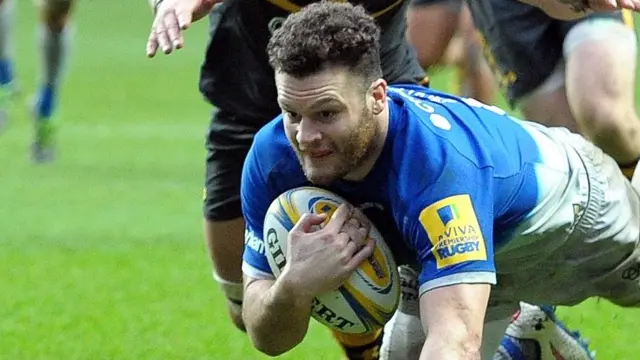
54,37
562,73
548,217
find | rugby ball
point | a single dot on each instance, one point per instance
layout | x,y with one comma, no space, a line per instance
368,299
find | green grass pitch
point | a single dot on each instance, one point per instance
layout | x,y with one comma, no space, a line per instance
101,253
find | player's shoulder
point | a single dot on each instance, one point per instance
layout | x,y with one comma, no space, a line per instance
270,144
272,158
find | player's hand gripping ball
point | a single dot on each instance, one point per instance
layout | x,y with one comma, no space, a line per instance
368,299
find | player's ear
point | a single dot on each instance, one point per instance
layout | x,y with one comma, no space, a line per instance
379,94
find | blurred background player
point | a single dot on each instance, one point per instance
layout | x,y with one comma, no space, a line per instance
53,44
443,33
579,74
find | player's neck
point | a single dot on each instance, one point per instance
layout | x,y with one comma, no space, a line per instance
377,146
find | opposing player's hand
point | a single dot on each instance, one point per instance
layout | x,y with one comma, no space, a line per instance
611,5
320,261
171,19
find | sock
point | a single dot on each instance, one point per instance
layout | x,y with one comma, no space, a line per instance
46,100
6,28
360,347
54,48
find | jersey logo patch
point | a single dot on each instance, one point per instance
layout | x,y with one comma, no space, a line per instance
454,232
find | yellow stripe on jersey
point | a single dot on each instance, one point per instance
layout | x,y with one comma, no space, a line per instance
291,7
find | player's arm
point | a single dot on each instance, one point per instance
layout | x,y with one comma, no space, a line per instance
277,312
277,318
575,9
453,238
171,18
455,329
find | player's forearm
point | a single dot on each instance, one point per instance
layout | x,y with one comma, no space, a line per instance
460,348
276,317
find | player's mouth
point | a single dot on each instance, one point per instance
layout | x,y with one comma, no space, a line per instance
319,154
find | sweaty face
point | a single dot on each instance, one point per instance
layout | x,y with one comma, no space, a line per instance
328,122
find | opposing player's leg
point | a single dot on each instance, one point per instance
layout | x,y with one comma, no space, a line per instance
228,142
425,15
54,40
600,52
474,75
533,333
7,8
441,47
547,103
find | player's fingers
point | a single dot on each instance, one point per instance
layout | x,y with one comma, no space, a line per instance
338,219
152,44
162,36
184,17
362,218
361,255
362,237
627,4
306,221
350,249
173,30
342,241
353,228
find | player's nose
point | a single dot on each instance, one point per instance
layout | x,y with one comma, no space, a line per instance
307,133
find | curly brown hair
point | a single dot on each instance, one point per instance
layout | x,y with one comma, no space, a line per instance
327,34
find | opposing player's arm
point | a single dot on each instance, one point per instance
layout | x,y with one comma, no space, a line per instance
453,237
575,9
171,18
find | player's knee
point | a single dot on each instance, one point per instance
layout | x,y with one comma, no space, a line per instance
55,13
605,121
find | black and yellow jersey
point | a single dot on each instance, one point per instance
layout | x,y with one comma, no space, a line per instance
236,75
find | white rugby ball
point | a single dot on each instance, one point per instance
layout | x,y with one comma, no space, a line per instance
368,299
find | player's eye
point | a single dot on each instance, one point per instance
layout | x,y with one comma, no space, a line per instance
327,115
293,116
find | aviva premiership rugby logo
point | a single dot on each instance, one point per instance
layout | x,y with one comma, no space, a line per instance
454,231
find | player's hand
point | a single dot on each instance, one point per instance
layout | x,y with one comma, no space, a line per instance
171,19
602,5
611,5
322,260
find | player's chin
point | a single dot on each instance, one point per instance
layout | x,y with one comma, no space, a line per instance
321,176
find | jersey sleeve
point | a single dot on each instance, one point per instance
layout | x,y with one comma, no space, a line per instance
451,228
255,199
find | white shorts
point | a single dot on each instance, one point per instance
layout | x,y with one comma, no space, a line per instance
598,254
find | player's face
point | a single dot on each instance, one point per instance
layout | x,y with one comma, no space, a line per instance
328,121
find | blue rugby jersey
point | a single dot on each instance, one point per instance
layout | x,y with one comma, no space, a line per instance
457,181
